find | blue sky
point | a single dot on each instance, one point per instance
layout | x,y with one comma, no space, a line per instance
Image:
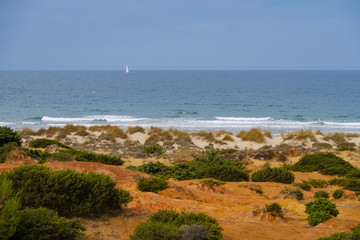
179,34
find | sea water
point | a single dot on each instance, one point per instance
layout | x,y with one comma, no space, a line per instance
189,100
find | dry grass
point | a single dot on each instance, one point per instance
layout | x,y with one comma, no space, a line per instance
254,135
352,135
26,132
318,132
300,135
179,134
184,155
109,132
335,137
222,133
157,135
208,136
132,130
228,137
267,133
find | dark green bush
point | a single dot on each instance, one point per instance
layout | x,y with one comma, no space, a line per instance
318,183
213,182
325,163
151,185
274,209
320,210
209,166
45,224
354,174
346,149
44,142
318,217
273,175
299,194
352,184
304,185
321,194
8,135
156,148
172,224
83,156
5,149
337,194
68,192
353,235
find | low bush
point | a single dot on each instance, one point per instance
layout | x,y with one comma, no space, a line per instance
354,174
322,145
304,185
320,210
325,163
298,194
8,135
166,224
45,224
353,235
68,192
44,142
274,209
337,193
318,183
83,156
213,182
151,185
352,149
209,166
257,189
5,149
321,194
352,184
273,175
335,137
156,148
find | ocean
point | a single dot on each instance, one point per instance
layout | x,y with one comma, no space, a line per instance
189,100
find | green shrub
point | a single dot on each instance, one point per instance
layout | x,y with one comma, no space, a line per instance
213,182
320,210
68,192
45,224
257,189
354,174
5,149
353,235
8,135
151,185
156,148
321,194
209,166
318,183
273,175
318,217
298,194
337,194
83,156
274,209
322,145
352,184
44,142
325,163
304,185
346,145
166,224
346,149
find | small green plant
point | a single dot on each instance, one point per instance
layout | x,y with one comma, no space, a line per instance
156,148
44,142
151,185
273,175
353,235
352,184
257,189
346,149
8,135
318,183
298,194
321,194
212,182
320,210
274,209
338,193
168,224
304,185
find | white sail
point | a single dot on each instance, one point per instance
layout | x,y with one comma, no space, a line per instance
127,69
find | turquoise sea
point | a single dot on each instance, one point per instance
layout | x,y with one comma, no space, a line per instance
191,100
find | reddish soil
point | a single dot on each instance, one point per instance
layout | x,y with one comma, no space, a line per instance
232,205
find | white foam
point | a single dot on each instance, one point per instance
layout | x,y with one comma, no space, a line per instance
242,119
94,118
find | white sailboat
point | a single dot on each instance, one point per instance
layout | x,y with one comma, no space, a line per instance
127,69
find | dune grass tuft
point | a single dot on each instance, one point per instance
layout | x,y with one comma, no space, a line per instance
254,135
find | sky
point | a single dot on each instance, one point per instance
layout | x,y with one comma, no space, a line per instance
180,34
